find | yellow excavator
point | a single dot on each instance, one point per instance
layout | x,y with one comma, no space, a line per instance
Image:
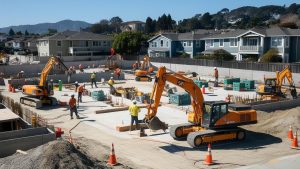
38,95
208,122
272,86
142,74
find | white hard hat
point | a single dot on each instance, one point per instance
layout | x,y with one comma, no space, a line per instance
134,102
215,68
22,71
76,82
111,77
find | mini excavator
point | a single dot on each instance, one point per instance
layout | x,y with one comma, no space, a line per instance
142,74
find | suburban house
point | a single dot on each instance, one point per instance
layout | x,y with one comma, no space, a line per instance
31,45
3,37
133,26
175,44
240,43
16,44
71,43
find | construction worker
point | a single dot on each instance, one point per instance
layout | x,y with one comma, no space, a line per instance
73,108
93,79
118,72
134,112
20,74
80,91
76,86
111,82
216,75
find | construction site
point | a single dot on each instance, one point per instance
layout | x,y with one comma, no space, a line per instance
188,116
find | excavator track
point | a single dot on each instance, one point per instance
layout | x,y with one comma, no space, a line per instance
37,103
174,130
198,138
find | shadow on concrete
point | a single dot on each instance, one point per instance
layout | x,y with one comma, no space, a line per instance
254,140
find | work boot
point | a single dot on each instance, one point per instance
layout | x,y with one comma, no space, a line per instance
71,118
77,117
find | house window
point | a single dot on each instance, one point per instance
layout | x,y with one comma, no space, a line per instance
198,43
86,43
95,43
233,42
276,41
154,44
287,43
161,43
221,42
58,43
71,43
209,43
189,43
184,43
104,43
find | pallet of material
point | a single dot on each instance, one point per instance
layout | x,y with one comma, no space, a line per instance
123,128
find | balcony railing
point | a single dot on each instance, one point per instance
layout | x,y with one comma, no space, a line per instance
87,49
250,48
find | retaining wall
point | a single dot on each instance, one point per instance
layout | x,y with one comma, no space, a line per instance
24,140
280,105
258,76
34,69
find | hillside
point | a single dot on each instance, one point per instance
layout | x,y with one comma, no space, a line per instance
43,27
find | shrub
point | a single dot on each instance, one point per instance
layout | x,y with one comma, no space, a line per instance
183,55
222,54
271,56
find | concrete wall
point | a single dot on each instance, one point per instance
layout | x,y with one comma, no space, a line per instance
32,70
258,76
24,140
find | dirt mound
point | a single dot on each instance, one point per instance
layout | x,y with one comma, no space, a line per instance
278,122
54,155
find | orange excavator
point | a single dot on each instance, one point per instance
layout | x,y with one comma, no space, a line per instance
38,95
272,86
208,122
143,73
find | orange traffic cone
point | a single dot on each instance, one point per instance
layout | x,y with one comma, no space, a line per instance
112,157
208,159
290,133
295,141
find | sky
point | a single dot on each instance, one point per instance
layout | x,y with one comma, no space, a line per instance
20,12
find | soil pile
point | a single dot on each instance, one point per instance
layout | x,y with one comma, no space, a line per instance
278,122
54,155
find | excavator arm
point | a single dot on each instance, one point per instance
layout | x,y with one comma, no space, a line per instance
280,76
51,62
160,80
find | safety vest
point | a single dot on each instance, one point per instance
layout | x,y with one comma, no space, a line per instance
80,89
72,102
134,110
93,76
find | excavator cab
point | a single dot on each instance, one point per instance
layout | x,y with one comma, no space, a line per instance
213,111
270,85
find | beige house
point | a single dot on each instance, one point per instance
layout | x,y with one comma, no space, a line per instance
133,26
71,43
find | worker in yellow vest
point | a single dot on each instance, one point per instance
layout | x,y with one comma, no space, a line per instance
134,112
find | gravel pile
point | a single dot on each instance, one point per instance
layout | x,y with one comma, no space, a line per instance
54,155
278,122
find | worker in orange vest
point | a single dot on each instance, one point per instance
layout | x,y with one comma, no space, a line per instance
80,91
73,108
216,75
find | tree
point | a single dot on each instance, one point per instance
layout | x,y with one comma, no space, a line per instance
11,32
52,31
26,33
149,25
102,27
271,56
206,21
115,23
128,43
19,33
292,8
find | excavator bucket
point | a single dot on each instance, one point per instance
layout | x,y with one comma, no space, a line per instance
156,124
